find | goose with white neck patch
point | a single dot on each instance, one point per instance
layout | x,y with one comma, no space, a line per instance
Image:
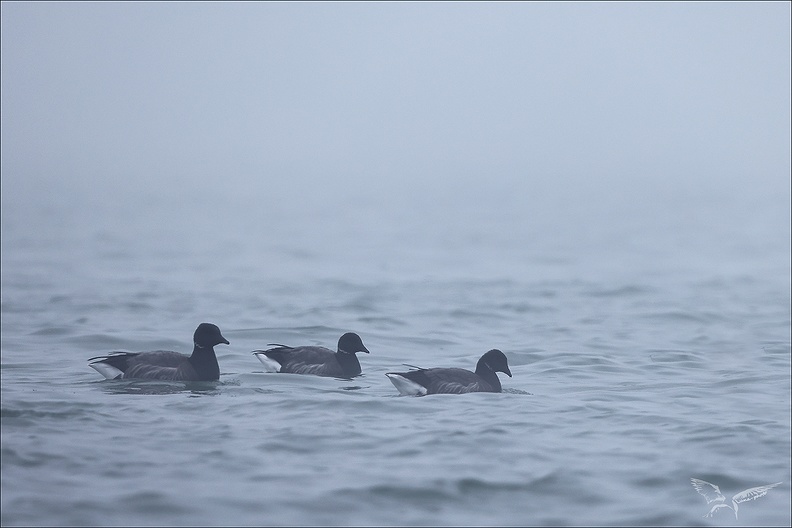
315,360
164,364
421,382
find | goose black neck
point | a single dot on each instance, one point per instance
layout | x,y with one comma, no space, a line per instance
349,363
204,361
489,375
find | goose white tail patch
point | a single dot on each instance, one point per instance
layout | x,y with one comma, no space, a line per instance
269,364
108,371
405,386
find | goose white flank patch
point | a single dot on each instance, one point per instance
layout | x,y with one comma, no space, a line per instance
315,360
164,364
421,382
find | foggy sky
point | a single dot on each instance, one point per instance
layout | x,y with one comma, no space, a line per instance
354,101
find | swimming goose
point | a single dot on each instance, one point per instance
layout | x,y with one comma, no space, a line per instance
315,360
165,365
421,382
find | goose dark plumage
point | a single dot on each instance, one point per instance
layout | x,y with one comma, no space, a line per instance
316,360
421,382
164,364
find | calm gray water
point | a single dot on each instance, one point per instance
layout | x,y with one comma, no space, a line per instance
649,342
